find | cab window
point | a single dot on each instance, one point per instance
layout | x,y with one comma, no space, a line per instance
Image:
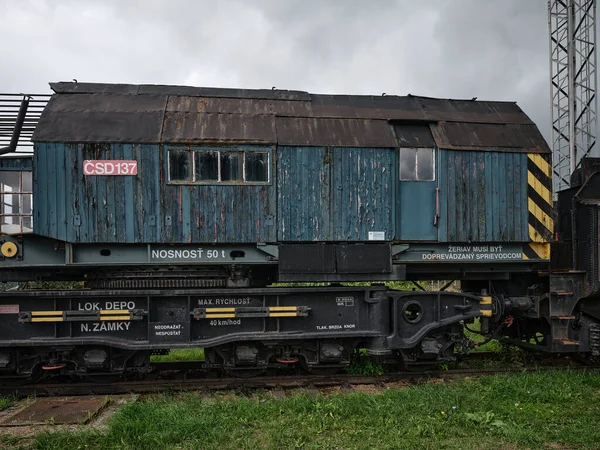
219,167
16,198
417,164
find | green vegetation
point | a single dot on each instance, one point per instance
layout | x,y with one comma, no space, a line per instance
180,354
491,346
361,364
541,410
5,402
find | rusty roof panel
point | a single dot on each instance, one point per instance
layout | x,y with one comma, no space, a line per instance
265,94
334,132
472,111
367,107
95,126
333,106
292,108
93,88
106,103
102,118
219,105
244,106
144,89
497,137
187,91
413,135
197,127
388,107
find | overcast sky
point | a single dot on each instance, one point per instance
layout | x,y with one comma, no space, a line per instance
490,49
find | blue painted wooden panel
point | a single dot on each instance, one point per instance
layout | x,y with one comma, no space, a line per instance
483,196
51,198
303,193
95,198
220,213
335,194
128,209
363,189
417,211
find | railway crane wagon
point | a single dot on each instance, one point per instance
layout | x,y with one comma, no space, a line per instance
196,217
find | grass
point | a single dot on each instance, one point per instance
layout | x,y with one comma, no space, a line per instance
180,354
5,402
491,346
539,410
361,364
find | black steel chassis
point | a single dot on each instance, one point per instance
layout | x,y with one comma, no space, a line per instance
101,331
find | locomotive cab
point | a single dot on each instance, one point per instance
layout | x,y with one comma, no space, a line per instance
177,209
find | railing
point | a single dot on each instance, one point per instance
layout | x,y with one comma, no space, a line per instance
16,128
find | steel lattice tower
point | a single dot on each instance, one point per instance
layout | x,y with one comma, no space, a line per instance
572,25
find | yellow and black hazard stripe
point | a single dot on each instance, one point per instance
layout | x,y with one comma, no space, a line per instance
82,316
539,199
536,250
249,311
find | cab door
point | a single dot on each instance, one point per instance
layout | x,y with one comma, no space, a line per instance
418,195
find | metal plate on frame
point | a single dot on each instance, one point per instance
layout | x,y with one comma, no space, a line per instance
58,411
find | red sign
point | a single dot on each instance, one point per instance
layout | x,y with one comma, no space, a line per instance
109,167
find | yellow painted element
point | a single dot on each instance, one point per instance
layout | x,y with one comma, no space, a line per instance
220,310
539,188
540,215
486,300
545,194
283,308
541,163
283,314
114,311
534,235
46,313
486,312
9,249
115,318
47,319
542,250
220,316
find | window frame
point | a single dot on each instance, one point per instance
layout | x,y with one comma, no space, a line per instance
21,193
193,181
417,149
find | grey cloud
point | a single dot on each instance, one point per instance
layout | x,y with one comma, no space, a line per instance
492,49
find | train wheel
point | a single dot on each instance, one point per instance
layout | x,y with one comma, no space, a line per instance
212,357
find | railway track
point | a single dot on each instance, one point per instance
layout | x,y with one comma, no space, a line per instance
177,378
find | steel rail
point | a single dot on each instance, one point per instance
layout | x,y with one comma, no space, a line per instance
61,388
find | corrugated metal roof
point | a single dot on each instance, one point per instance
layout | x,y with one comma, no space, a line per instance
92,112
186,91
492,136
184,127
320,132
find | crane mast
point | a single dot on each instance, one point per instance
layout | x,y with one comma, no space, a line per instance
572,26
